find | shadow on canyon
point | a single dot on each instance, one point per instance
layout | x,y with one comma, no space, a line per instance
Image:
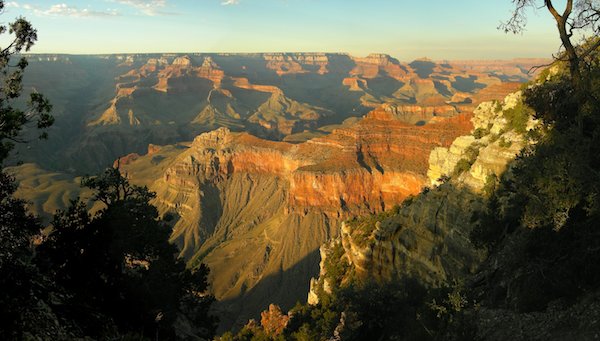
283,288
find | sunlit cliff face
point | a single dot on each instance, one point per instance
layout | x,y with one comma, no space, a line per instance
374,164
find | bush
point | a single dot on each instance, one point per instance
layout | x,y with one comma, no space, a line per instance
335,266
504,143
480,132
518,117
490,184
462,166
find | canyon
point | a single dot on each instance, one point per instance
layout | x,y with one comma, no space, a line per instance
258,210
112,105
257,160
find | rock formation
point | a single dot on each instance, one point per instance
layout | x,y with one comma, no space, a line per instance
492,147
246,206
427,237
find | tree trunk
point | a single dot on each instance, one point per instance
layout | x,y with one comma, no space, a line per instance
565,37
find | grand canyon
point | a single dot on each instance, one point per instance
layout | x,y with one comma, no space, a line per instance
235,194
257,158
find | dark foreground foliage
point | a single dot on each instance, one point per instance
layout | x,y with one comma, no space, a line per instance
545,212
106,276
111,275
119,269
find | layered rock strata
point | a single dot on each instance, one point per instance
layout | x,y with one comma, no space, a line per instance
256,211
427,237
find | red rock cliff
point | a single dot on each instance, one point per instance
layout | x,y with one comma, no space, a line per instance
371,166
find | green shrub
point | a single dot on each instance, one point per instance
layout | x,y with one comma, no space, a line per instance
498,107
504,143
471,154
518,117
462,166
491,182
480,132
335,266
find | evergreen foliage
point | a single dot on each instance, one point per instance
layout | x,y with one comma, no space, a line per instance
118,265
545,212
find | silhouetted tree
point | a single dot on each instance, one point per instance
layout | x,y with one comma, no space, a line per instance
119,266
577,16
13,119
23,292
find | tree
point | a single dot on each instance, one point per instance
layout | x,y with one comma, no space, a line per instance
577,16
24,311
12,118
120,269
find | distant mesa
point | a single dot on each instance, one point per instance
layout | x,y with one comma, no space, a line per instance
183,61
165,98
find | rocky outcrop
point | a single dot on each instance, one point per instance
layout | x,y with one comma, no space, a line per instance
245,205
373,164
355,83
285,116
125,160
483,156
377,64
427,237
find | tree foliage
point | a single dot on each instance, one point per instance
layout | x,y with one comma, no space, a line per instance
12,118
544,212
119,267
24,298
577,18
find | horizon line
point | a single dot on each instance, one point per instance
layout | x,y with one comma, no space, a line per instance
276,52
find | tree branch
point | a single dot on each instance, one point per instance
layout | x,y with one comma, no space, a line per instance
553,10
590,49
568,9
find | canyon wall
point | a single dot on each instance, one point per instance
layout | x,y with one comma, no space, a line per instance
427,237
256,211
111,105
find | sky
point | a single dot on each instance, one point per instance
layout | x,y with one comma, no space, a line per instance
405,29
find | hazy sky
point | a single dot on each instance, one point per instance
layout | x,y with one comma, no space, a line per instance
439,29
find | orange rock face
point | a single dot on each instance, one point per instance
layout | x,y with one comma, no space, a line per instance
370,166
375,65
355,84
125,160
273,320
153,149
243,83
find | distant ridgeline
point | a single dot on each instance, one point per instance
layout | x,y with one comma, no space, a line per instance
257,159
107,106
